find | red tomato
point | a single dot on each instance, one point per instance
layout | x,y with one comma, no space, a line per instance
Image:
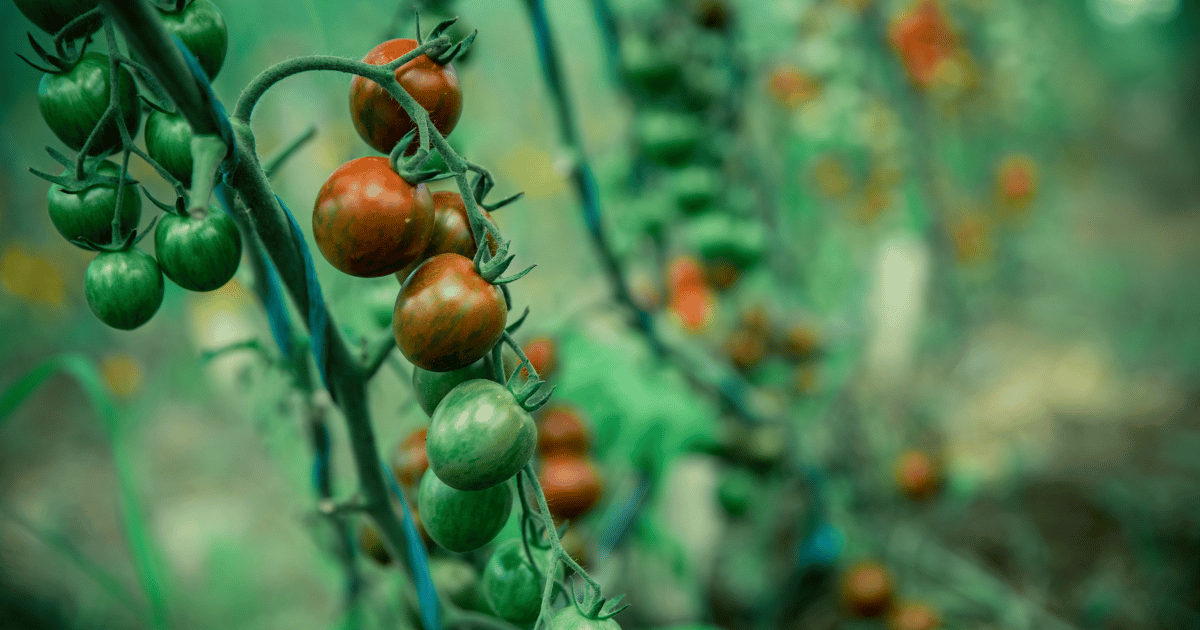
377,116
542,352
917,475
447,316
866,589
571,483
1016,182
409,461
561,430
695,307
924,39
451,231
684,272
369,222
914,616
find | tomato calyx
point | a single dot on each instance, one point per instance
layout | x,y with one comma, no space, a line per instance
593,606
66,53
451,51
530,395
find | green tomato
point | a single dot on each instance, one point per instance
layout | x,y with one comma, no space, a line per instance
124,289
169,142
696,187
459,520
735,491
88,214
742,241
52,15
511,586
570,618
667,137
479,436
457,581
644,65
201,27
432,387
198,254
72,103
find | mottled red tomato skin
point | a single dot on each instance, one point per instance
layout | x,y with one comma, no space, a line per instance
377,116
571,483
447,316
561,430
451,231
369,222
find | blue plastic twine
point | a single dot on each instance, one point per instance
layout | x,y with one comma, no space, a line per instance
417,560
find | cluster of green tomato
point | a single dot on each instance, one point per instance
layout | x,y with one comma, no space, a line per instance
124,285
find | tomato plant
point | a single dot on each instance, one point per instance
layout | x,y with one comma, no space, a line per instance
462,520
87,214
479,436
73,100
368,221
451,232
571,618
447,316
561,430
52,15
511,585
372,545
409,461
125,288
432,387
735,490
542,353
198,254
668,137
572,484
380,120
201,27
169,142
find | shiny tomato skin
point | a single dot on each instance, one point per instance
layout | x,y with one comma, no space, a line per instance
561,430
369,222
460,520
88,214
169,141
124,289
409,461
479,436
511,586
72,103
570,618
201,27
451,231
571,483
380,120
198,254
447,316
432,387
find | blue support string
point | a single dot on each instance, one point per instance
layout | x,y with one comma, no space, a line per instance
418,561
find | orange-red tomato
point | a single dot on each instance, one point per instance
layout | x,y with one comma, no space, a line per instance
684,272
410,461
790,87
377,116
917,474
972,239
571,483
369,222
695,307
866,589
561,430
914,616
1016,183
451,232
542,353
746,348
924,39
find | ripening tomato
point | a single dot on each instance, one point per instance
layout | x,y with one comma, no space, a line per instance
377,116
800,342
684,272
866,589
542,353
917,475
198,254
511,585
451,232
972,238
72,103
463,520
169,141
368,221
745,348
561,430
1016,183
756,319
479,436
571,483
432,387
790,87
571,618
913,616
695,307
52,15
88,214
924,39
124,289
447,316
201,27
409,461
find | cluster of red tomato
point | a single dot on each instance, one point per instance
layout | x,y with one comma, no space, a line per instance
867,590
123,284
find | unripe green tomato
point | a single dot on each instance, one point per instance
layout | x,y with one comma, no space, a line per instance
644,65
458,582
695,187
73,102
124,289
169,141
479,436
198,254
742,241
52,15
459,520
511,586
88,214
201,27
668,137
432,387
570,618
735,491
